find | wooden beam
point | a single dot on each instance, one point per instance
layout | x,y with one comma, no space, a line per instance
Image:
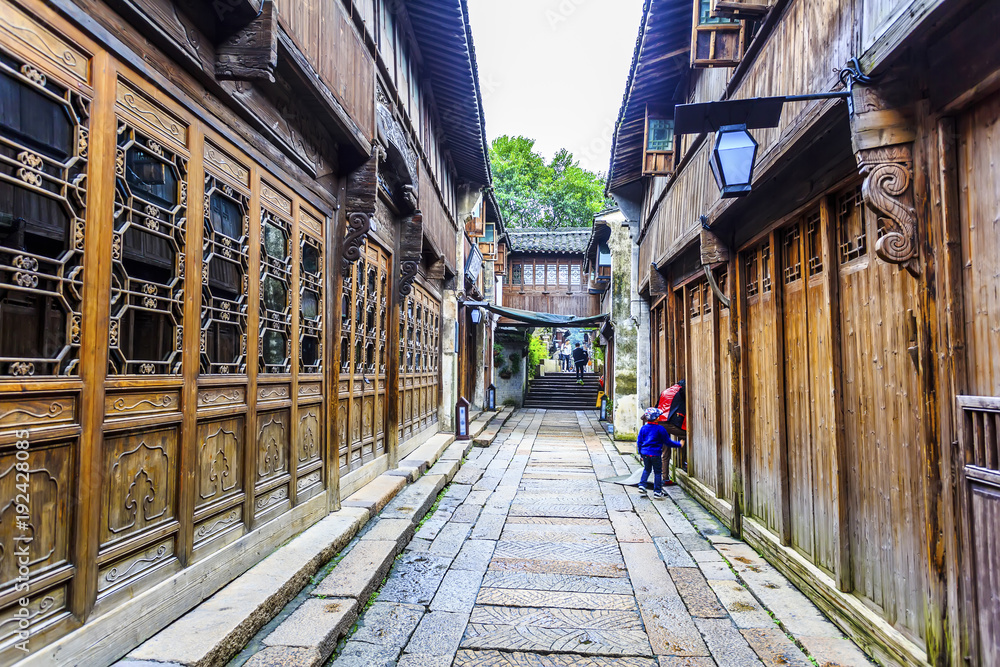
251,53
713,250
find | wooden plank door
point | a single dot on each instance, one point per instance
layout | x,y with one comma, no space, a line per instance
763,436
979,413
700,389
882,423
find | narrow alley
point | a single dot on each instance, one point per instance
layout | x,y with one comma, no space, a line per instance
529,559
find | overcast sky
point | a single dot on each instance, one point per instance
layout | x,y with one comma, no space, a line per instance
555,70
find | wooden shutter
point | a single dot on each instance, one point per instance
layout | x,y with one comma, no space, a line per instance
741,9
716,42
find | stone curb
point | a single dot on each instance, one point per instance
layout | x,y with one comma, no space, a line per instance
217,629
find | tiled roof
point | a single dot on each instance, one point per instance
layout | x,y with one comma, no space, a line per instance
566,241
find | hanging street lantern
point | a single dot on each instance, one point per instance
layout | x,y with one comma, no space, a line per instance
491,398
477,316
462,419
733,159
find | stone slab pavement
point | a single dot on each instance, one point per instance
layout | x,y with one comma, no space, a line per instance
529,559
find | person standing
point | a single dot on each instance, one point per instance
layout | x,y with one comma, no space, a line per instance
566,356
652,441
580,359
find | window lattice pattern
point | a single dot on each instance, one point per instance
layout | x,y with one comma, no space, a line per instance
311,304
516,274
765,263
275,293
752,277
146,334
851,219
792,249
44,144
708,296
815,244
225,278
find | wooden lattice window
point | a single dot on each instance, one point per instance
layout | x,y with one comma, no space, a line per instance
310,297
347,322
275,283
851,221
707,298
564,274
225,278
695,293
765,264
515,274
529,275
792,251
814,243
44,149
575,275
550,278
752,273
146,332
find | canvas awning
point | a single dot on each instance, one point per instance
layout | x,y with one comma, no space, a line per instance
546,319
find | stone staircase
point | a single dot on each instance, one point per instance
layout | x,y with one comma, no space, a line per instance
559,391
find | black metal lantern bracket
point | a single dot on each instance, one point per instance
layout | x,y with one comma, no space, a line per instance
735,117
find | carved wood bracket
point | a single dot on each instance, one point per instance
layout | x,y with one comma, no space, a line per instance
883,146
362,194
411,245
250,54
888,191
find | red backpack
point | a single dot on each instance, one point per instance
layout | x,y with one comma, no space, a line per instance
672,405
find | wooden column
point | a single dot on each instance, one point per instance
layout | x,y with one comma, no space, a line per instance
737,308
778,298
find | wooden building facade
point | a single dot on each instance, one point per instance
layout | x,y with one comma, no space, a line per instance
837,327
227,231
545,273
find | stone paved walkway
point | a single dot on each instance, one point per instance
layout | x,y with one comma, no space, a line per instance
529,559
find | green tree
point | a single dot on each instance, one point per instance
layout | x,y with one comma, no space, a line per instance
533,193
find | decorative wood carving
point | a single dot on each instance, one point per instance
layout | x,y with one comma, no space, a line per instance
220,459
134,565
43,44
138,489
883,145
362,197
252,52
309,436
399,156
272,445
218,524
152,115
410,251
888,191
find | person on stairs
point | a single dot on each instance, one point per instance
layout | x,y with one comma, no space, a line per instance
652,441
580,358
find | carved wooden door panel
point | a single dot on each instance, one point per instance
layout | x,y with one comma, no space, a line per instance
309,450
701,393
419,338
221,442
362,408
45,124
140,519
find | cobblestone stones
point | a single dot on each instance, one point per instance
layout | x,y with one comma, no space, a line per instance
531,561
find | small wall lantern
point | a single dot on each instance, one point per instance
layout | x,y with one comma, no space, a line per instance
491,398
477,316
462,419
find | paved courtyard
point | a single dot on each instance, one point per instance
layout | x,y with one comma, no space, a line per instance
529,559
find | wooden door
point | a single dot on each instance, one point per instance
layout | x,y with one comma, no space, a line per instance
420,335
723,378
364,310
763,436
808,394
881,422
701,393
979,412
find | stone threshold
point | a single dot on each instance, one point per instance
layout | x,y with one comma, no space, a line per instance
217,629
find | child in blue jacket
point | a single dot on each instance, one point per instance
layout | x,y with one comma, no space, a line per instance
652,439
